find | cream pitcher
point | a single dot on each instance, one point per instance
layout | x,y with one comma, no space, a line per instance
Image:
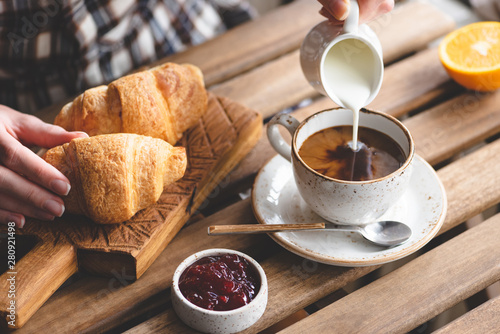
344,63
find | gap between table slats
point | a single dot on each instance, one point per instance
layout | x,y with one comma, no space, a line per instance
483,319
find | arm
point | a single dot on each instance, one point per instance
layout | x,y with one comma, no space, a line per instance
28,185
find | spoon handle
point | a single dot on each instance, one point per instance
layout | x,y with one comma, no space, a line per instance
261,228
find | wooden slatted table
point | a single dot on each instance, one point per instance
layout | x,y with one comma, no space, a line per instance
257,65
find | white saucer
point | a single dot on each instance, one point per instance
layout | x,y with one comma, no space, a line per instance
276,200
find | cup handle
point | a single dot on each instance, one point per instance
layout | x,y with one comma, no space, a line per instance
352,21
275,137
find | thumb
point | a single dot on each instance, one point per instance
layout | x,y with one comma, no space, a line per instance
336,9
36,132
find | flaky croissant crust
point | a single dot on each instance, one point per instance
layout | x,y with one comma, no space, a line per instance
114,176
162,102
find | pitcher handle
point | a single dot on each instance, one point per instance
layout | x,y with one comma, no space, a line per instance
276,139
351,23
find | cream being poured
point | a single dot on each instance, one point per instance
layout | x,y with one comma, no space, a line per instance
349,77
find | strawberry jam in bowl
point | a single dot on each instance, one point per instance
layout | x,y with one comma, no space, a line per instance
221,282
219,291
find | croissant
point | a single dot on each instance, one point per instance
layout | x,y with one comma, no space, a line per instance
114,176
162,102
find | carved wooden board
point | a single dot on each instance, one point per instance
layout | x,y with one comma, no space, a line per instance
224,135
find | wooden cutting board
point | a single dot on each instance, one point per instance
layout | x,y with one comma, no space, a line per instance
224,135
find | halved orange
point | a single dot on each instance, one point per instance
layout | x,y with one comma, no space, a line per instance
471,55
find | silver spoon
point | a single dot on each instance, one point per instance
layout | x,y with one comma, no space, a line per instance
383,233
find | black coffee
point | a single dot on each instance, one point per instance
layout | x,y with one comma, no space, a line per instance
328,153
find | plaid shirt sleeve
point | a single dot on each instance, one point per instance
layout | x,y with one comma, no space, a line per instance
53,49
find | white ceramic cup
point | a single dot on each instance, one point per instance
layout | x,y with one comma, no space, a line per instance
363,53
341,201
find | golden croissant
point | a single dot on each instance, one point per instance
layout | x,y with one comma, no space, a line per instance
114,176
162,102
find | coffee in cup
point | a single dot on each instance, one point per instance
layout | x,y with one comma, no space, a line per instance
338,199
330,152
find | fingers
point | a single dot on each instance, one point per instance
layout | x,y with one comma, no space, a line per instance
11,217
28,185
337,10
21,196
33,131
18,218
30,130
330,17
22,160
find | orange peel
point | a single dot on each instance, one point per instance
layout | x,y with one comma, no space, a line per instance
471,55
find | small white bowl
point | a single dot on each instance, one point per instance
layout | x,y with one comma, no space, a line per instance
209,321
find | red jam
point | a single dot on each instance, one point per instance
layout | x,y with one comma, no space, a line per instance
220,283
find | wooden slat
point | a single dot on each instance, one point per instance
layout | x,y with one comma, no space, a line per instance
414,82
281,83
37,276
293,283
253,43
455,125
271,87
166,322
418,291
302,281
484,319
397,43
471,184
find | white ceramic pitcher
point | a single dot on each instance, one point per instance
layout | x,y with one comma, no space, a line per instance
357,60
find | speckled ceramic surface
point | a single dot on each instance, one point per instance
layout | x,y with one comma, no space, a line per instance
221,322
276,200
342,201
